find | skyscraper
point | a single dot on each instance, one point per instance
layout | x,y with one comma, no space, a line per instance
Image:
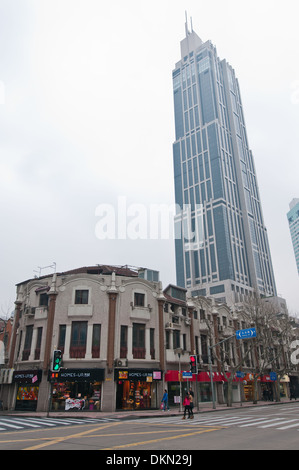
293,218
214,170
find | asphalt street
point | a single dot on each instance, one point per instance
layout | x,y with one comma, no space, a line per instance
264,428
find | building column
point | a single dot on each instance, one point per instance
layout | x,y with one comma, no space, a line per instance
88,354
33,345
50,323
192,339
130,343
112,294
67,343
18,305
161,332
147,344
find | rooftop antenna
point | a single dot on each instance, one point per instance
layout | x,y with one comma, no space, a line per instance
186,24
53,266
191,24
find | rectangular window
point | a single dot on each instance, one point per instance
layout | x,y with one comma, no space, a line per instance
123,341
152,343
27,344
61,338
176,339
96,340
81,297
78,339
139,299
43,300
138,341
38,343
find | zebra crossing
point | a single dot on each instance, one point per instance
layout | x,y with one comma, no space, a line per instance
12,423
282,418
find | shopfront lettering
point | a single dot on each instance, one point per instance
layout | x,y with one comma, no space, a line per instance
139,374
75,375
27,376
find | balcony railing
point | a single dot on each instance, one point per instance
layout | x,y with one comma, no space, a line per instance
77,352
138,353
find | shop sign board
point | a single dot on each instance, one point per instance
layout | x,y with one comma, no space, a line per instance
27,376
79,375
245,334
146,375
187,374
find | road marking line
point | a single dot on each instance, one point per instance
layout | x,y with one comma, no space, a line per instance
152,441
290,425
10,425
257,422
40,421
23,422
72,436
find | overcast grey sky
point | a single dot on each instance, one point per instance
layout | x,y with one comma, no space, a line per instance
86,116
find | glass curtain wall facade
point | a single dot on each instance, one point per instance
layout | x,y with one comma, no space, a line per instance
214,170
293,218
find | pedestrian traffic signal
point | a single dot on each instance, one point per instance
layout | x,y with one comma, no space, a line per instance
57,359
193,364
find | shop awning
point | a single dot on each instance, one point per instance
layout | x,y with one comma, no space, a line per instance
173,376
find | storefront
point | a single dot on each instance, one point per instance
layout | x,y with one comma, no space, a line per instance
77,389
136,389
200,384
176,385
27,389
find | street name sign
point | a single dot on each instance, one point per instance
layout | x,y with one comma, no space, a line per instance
240,375
273,376
187,375
247,333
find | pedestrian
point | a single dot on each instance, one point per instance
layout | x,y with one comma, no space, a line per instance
186,404
191,395
293,394
165,401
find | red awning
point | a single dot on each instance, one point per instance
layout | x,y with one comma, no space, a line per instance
173,376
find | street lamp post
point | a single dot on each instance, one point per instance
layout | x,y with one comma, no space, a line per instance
178,351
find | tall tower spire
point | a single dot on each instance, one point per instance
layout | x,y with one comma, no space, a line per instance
186,24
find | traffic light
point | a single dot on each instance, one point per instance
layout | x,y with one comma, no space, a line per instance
57,359
193,364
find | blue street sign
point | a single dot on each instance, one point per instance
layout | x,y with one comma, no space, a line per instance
273,376
187,375
247,333
240,374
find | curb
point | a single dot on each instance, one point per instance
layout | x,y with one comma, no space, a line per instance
123,415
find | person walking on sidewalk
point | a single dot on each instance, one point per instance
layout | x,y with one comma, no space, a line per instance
191,395
165,401
186,404
191,398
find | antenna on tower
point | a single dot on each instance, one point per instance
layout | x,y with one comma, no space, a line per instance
186,24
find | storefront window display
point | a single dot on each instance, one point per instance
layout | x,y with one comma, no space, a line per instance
28,388
137,389
77,389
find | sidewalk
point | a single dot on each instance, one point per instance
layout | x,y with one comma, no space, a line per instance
203,408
